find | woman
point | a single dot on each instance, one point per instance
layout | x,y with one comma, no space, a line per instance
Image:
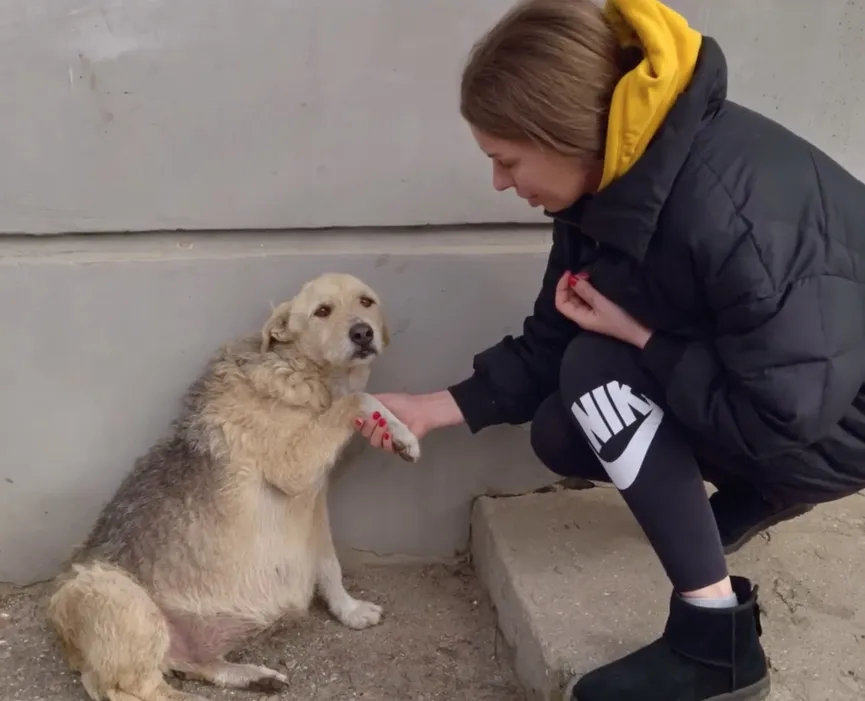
702,313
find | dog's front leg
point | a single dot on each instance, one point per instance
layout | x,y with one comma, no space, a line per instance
307,459
314,452
351,612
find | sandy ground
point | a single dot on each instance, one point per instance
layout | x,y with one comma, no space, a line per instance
438,640
436,643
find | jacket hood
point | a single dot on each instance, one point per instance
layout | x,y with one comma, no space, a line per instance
624,214
643,97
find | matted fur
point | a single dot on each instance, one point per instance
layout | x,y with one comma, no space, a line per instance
222,528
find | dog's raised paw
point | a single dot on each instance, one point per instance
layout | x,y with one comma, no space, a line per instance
405,443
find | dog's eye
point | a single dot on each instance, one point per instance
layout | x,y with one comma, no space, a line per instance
323,311
366,302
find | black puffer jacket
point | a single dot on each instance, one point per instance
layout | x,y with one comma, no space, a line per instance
743,246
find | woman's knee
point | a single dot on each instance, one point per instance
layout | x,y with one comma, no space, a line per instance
559,445
592,358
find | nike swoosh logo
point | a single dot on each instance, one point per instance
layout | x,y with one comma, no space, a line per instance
624,469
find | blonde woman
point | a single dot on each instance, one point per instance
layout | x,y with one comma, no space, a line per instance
702,314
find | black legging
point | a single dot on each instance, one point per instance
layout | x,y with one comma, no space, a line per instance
608,403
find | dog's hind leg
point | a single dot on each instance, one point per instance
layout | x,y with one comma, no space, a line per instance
114,634
236,676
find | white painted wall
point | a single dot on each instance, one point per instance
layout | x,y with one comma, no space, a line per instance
226,114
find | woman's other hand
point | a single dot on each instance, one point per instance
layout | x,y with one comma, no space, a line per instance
577,300
421,413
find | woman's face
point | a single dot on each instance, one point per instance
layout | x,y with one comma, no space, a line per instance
542,177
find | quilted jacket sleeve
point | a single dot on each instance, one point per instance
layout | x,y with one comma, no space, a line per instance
782,370
513,377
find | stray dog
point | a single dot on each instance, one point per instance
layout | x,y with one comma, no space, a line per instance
222,528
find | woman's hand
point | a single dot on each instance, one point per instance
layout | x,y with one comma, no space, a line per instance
421,413
590,310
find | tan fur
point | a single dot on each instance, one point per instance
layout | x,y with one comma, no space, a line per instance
222,528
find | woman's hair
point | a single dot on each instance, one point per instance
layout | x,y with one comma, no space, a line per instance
545,73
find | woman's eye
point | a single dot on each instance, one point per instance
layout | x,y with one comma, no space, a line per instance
323,311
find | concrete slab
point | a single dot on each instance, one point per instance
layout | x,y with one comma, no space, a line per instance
576,585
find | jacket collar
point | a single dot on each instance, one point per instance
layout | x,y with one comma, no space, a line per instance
625,214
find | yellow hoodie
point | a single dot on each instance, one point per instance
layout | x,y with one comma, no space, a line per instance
645,95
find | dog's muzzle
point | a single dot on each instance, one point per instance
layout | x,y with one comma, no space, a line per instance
362,336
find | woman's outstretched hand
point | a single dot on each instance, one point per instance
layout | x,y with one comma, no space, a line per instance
421,413
580,302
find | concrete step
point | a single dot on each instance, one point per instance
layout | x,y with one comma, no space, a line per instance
575,584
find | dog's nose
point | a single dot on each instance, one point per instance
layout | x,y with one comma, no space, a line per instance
361,334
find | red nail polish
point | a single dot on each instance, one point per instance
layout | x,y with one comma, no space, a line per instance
572,280
582,276
382,423
358,422
376,416
386,436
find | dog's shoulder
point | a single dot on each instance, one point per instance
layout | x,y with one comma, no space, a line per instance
283,374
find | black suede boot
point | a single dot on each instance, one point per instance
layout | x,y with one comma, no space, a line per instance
741,512
704,655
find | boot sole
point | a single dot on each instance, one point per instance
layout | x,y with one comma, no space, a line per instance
780,517
755,692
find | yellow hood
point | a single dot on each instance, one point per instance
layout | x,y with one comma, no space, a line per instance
645,95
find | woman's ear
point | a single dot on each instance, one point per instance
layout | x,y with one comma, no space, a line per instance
277,326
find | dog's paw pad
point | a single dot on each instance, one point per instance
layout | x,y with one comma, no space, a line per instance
363,614
407,450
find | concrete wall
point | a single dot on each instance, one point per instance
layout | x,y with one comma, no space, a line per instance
100,337
174,114
275,114
238,114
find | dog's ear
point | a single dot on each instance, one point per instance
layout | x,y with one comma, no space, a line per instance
276,327
385,335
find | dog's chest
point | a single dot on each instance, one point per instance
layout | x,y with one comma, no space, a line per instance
280,552
350,382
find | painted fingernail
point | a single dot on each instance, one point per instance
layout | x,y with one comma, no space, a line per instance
376,416
382,423
572,280
582,276
358,422
386,436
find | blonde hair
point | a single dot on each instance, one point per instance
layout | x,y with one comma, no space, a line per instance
545,73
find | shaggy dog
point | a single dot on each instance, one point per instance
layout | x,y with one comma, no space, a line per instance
222,528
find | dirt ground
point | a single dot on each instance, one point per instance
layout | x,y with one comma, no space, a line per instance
436,643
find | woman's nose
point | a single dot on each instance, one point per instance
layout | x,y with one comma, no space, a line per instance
501,181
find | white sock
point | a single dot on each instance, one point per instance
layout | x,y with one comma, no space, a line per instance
713,603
